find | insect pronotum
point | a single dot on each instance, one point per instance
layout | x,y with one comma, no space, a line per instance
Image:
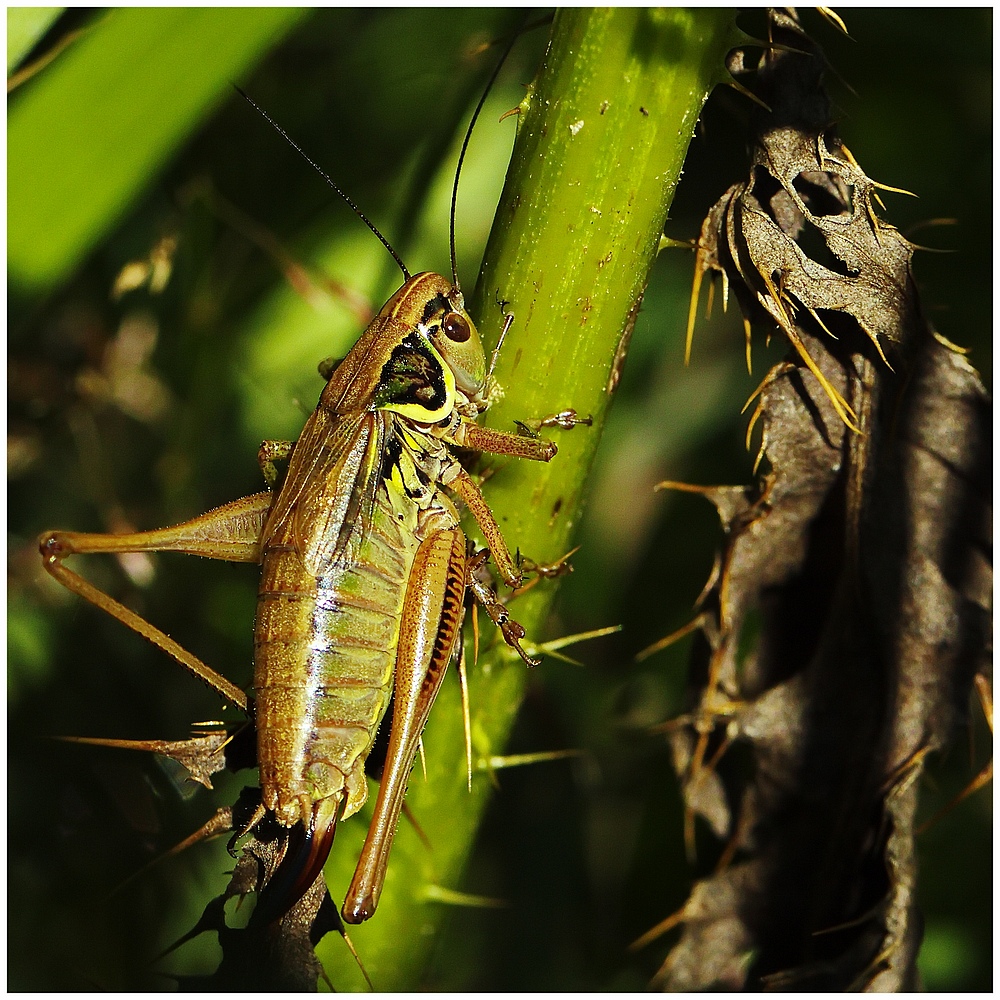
364,572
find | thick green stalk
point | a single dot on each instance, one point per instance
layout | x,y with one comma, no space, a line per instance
601,141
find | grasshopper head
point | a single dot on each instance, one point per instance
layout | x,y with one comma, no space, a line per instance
421,357
454,336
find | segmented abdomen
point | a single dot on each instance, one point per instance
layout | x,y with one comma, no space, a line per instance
325,651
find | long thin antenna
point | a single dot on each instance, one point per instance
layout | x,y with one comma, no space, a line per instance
465,146
329,180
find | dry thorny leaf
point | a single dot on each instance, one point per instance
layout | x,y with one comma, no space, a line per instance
265,953
861,561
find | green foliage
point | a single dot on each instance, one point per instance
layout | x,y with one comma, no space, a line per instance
89,135
25,27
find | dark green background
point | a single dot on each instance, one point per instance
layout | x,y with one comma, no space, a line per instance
587,854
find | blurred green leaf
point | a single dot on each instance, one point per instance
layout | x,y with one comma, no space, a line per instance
25,28
945,955
29,642
91,132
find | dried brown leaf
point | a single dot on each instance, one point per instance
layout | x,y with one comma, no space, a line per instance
861,563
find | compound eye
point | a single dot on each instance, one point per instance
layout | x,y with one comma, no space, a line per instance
456,328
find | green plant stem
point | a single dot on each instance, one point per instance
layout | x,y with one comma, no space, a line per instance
601,140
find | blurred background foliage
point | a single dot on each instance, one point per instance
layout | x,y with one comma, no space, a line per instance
175,273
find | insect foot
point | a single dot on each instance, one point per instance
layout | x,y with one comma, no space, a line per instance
566,419
542,571
512,631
